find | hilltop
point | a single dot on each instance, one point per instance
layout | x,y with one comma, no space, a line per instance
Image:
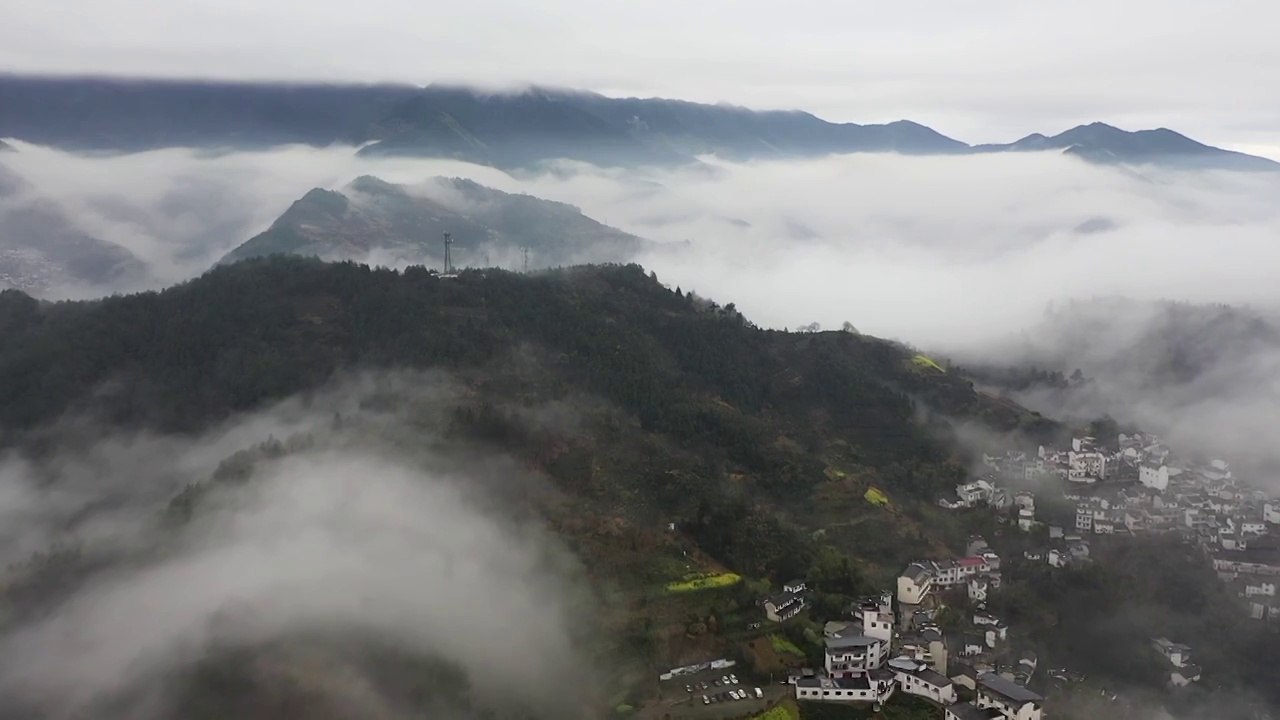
397,224
505,129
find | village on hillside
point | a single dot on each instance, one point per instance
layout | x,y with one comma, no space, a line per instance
1139,487
893,644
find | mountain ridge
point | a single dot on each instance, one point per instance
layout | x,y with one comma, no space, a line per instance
1103,143
505,128
374,220
42,247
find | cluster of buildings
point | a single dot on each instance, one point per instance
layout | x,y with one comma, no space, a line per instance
988,492
884,650
873,656
1064,550
978,573
1133,488
1140,488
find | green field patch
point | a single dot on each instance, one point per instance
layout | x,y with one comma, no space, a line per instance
876,497
705,581
783,646
924,361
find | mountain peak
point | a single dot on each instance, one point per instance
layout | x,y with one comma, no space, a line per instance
370,185
400,224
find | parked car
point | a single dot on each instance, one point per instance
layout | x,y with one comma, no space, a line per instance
706,700
688,688
718,683
733,679
759,693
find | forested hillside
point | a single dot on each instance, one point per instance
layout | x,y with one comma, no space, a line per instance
759,447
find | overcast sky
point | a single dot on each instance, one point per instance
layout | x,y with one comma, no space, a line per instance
982,70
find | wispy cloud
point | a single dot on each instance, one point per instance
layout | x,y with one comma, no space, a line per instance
345,535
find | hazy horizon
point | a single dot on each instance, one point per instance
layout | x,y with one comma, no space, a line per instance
982,74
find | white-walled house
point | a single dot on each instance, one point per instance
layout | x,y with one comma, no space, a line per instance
876,618
1012,700
979,589
1271,513
971,645
783,606
916,678
1259,587
855,655
1026,519
970,566
1086,464
995,634
1153,476
914,584
1253,526
871,687
1084,518
982,617
975,492
1176,653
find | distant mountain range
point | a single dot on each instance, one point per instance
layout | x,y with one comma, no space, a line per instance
377,222
42,248
504,129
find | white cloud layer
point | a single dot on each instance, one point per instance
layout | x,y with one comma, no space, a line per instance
347,538
939,251
949,253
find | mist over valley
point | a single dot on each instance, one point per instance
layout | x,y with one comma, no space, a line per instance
702,397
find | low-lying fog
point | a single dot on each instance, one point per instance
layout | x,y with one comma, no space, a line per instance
355,531
934,250
953,254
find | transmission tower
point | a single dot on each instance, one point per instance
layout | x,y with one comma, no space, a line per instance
525,250
448,256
